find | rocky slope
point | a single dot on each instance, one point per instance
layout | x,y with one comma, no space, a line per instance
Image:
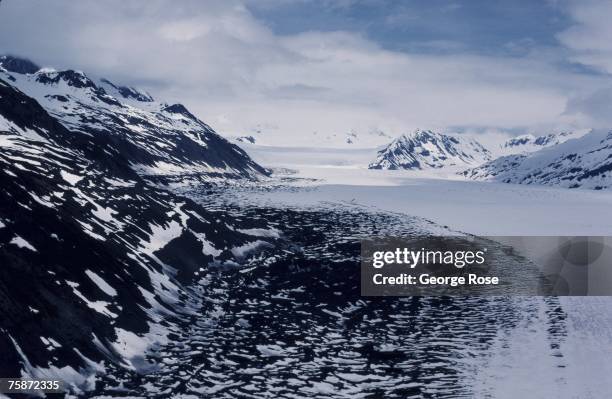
95,259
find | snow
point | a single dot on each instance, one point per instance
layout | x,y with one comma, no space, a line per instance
119,182
25,160
6,141
244,250
5,125
207,246
161,236
132,347
271,350
16,133
50,342
102,213
352,377
88,229
473,207
103,285
70,178
129,344
45,201
323,388
22,243
588,346
519,365
162,168
98,306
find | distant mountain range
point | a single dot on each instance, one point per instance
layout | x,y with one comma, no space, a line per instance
565,159
530,143
585,162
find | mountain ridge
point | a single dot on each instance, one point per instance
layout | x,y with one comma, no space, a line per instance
162,140
583,162
527,143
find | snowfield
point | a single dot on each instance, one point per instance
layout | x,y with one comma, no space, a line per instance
484,208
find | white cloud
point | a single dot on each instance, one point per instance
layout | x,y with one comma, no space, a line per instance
590,37
184,30
235,73
593,109
589,41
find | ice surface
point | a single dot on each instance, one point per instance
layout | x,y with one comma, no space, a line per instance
485,208
542,356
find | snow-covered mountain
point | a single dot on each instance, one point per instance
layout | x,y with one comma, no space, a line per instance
159,139
530,143
425,149
584,162
95,259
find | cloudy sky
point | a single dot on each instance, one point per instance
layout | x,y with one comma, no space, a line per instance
297,66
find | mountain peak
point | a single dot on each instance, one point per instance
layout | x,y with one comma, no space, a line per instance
72,78
418,132
18,65
426,149
179,109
